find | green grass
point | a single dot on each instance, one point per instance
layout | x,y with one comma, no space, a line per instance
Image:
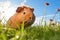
30,33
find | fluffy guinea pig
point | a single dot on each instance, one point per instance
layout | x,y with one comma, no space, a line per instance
23,13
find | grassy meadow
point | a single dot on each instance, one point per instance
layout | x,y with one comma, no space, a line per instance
30,33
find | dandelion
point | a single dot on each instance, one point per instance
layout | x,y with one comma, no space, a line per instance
53,24
58,9
51,21
47,4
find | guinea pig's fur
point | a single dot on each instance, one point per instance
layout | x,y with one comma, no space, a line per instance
23,13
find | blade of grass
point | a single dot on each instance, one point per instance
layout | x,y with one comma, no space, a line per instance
3,36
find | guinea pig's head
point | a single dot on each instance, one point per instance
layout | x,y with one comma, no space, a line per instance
26,14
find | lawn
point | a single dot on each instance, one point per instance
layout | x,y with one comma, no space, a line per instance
30,33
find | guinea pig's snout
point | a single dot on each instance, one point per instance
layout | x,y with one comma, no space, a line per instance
30,20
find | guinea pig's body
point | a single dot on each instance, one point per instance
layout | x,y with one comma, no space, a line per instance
22,14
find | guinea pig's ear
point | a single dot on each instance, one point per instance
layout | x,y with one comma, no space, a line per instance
19,9
32,9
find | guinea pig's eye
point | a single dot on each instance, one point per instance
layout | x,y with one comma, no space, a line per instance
24,13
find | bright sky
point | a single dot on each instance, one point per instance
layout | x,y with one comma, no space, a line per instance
7,8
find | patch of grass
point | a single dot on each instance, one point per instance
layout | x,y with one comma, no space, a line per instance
30,33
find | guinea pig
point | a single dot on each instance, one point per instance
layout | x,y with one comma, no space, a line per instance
23,13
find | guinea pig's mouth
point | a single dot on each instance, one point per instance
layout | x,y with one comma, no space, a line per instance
28,22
